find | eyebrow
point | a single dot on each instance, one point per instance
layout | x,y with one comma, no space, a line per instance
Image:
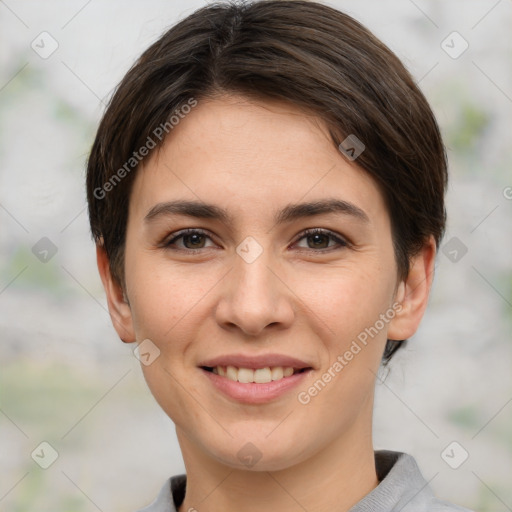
290,212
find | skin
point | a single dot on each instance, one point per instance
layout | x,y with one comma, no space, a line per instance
304,297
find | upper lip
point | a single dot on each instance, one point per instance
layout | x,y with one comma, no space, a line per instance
253,361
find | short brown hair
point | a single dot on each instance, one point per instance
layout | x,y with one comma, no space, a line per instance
298,51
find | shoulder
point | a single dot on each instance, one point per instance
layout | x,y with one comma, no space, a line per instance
402,487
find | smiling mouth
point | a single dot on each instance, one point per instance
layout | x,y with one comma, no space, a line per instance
254,375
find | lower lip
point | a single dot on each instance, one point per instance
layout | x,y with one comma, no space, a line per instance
252,392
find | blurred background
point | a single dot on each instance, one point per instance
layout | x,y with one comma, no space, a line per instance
67,380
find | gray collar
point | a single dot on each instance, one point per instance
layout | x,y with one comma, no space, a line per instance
402,488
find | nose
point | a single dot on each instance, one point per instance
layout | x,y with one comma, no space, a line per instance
255,297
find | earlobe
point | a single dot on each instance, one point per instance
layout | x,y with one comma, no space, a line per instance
118,306
413,293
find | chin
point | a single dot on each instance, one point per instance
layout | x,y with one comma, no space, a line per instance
258,455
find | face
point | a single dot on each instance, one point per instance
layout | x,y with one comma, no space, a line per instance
283,261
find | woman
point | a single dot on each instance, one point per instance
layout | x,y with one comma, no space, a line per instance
266,190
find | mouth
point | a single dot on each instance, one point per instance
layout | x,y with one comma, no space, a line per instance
255,386
255,375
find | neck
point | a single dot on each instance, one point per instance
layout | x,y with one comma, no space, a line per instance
336,478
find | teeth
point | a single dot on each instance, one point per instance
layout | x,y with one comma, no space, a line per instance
259,375
231,373
245,375
262,375
277,373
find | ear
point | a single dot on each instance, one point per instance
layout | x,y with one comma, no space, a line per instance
413,293
120,312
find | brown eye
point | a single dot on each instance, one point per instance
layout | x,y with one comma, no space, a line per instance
195,240
320,239
190,240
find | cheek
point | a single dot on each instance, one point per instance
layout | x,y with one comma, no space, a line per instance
165,305
161,298
166,299
153,311
348,300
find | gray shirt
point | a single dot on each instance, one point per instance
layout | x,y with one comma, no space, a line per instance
401,488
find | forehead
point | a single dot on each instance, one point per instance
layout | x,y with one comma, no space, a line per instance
248,156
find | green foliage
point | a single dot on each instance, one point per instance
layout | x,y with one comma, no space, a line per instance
34,274
466,417
468,127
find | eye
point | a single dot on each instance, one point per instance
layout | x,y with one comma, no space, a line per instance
319,239
191,239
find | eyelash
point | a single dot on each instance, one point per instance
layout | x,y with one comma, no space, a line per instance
308,232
